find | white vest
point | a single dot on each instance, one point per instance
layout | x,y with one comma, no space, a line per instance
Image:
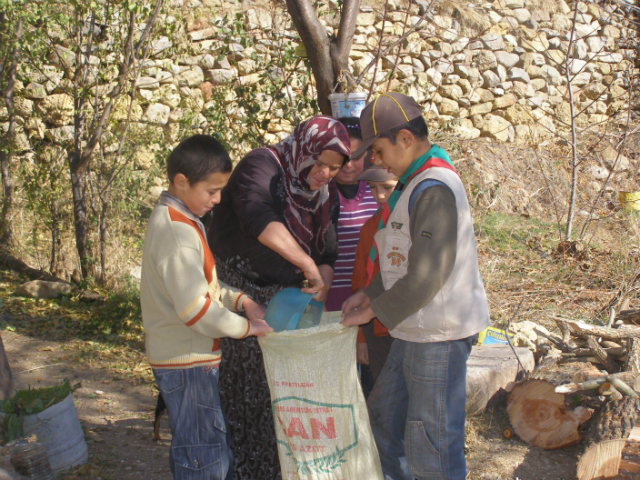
460,308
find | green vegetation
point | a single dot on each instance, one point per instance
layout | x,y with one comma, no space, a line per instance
28,402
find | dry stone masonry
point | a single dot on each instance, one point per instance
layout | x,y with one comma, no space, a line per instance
495,69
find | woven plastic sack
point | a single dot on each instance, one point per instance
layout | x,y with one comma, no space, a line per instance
321,419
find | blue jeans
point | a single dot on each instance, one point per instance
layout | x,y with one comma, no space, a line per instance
199,445
416,410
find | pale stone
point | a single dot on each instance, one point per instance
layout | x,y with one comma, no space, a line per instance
507,59
37,128
203,34
502,73
448,107
609,57
191,78
246,67
404,71
35,91
611,31
453,92
518,114
57,109
581,79
522,15
157,113
435,77
523,90
598,173
611,157
43,289
557,57
161,44
149,83
584,18
585,30
23,106
540,16
580,49
491,79
494,17
519,74
538,83
493,41
490,369
168,95
121,110
485,95
481,109
465,132
514,3
496,127
485,59
60,135
551,75
577,65
505,101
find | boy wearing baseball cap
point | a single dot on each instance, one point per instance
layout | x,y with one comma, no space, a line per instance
428,294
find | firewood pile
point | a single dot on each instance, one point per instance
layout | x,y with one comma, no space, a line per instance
585,388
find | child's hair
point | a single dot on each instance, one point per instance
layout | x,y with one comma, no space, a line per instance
417,126
197,157
353,127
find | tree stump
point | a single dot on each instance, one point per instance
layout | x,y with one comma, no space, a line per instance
606,439
540,416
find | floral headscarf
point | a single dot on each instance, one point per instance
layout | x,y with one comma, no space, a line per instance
307,212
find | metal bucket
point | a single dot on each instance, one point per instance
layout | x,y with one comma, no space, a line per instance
58,428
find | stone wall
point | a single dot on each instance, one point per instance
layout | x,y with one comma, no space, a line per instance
493,70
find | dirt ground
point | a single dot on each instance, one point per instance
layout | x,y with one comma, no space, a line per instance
117,417
116,414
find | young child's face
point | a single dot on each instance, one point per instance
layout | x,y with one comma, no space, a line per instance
382,190
201,196
352,168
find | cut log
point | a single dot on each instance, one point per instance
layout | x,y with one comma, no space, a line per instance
583,330
629,316
606,439
633,358
630,461
609,364
539,415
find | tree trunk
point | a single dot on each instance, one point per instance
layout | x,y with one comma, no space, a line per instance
540,416
328,56
6,380
606,439
80,214
7,147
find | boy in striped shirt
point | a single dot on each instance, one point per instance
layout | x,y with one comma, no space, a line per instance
185,310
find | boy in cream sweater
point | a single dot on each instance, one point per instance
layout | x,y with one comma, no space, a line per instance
185,310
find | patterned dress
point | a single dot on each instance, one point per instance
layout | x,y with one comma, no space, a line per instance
260,192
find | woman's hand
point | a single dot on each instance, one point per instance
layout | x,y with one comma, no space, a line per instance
252,309
312,274
362,353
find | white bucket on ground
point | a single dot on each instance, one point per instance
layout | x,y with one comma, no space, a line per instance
58,428
347,104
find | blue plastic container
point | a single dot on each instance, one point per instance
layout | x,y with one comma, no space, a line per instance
291,309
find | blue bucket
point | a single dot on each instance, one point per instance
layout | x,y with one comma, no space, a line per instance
291,309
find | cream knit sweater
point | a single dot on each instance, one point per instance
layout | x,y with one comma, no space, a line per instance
185,310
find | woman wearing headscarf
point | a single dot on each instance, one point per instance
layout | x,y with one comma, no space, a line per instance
275,226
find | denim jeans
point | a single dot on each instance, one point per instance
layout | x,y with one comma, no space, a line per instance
416,410
199,445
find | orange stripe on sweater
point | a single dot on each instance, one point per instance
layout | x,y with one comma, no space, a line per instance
238,303
209,263
200,314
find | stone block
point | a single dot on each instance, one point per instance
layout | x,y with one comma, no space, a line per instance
57,109
490,369
519,74
507,59
43,289
496,127
522,15
453,92
157,113
35,91
492,41
491,79
448,107
505,101
481,109
485,59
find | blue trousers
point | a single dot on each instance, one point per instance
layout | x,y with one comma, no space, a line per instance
199,445
416,410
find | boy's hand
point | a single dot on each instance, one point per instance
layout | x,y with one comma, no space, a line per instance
355,301
362,353
252,309
259,327
358,316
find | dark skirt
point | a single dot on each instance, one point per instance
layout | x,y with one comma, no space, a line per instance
244,393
